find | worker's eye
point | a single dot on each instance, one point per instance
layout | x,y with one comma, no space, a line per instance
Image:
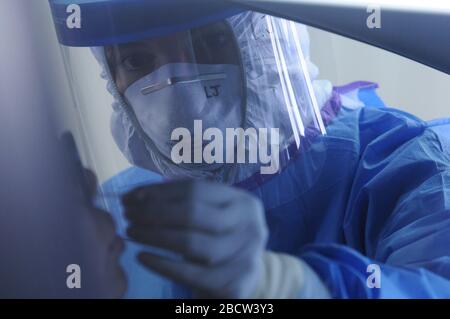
137,62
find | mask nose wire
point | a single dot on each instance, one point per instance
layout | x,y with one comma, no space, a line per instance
182,80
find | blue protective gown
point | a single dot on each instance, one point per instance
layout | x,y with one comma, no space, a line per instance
377,193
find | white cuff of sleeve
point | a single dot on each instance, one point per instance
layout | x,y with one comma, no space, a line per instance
288,277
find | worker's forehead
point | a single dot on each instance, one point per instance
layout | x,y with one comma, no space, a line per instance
171,40
142,44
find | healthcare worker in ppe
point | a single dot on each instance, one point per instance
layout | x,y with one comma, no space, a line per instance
357,207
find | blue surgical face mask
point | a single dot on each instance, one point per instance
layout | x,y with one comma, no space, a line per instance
176,95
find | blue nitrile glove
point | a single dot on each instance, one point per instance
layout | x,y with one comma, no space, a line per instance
221,234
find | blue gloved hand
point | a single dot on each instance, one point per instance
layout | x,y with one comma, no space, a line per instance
219,231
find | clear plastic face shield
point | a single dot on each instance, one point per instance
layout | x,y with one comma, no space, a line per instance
229,101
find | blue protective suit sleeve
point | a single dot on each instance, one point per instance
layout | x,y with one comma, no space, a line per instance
398,212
